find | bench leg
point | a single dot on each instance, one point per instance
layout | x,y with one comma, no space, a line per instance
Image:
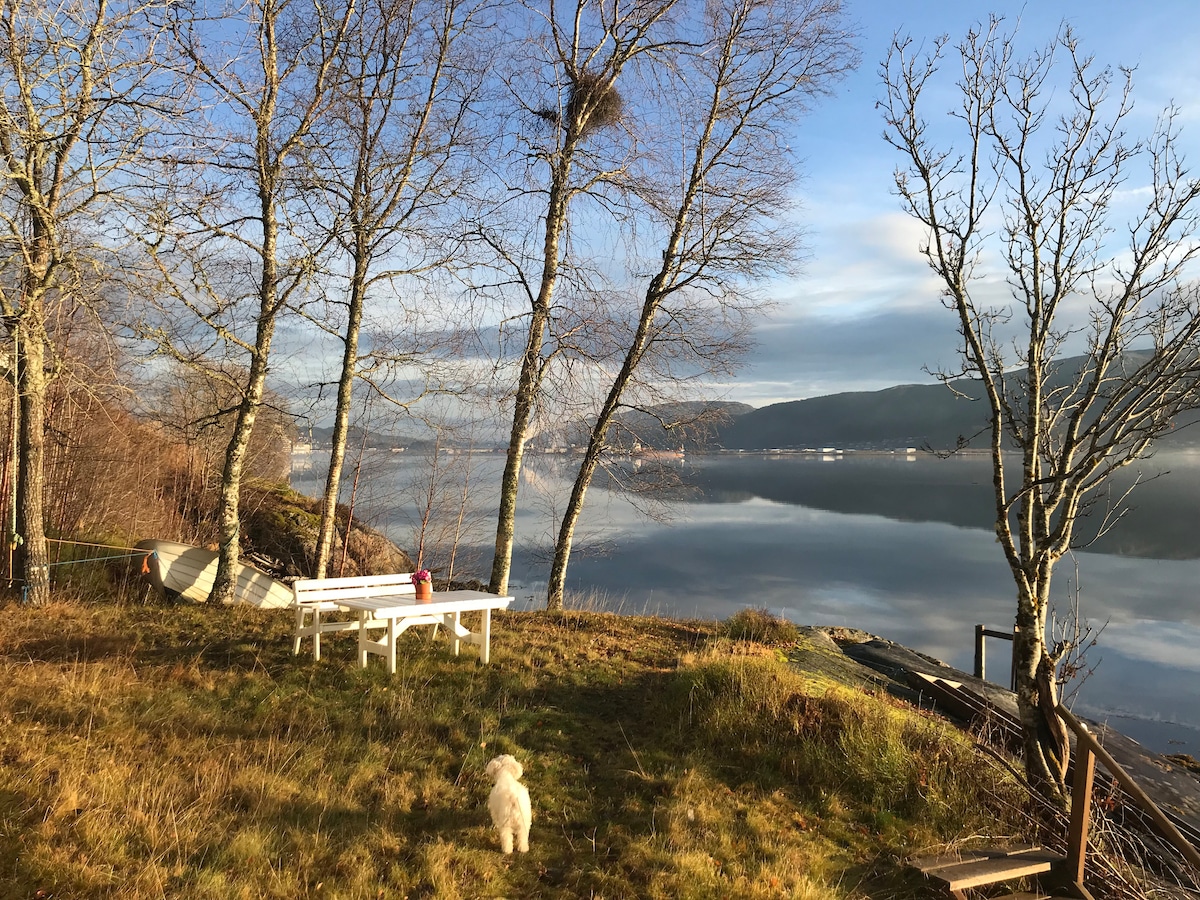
299,629
362,640
485,634
391,649
316,620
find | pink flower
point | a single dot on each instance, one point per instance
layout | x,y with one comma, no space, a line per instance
421,575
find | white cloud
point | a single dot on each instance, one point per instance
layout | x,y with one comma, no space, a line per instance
804,352
1164,643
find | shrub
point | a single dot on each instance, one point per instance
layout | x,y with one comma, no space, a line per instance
757,624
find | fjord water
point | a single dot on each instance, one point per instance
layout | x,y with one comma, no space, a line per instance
898,546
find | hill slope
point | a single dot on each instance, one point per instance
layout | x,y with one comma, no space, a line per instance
909,415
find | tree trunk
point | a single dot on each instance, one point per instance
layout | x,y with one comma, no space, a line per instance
596,444
31,377
527,387
333,479
530,380
341,421
566,531
1044,738
30,339
228,523
228,519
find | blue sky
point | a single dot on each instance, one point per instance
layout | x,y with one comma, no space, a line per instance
865,315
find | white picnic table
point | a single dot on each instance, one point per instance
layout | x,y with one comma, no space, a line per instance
399,613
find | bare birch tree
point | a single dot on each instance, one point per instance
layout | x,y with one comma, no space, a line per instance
1032,186
237,245
388,164
712,200
79,85
578,50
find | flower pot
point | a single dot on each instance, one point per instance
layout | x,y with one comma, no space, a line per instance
424,591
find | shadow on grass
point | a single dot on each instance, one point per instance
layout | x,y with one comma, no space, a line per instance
157,634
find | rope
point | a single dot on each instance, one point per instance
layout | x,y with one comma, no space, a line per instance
70,562
50,540
134,552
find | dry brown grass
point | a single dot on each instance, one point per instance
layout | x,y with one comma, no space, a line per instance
150,751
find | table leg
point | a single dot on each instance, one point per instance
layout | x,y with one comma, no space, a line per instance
485,633
456,631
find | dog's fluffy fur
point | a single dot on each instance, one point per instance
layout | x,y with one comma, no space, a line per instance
509,803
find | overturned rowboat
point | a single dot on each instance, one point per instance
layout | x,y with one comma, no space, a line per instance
181,570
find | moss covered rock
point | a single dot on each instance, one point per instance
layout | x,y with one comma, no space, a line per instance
279,530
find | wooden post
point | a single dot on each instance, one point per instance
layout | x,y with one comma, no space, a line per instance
1081,811
979,651
982,633
1012,676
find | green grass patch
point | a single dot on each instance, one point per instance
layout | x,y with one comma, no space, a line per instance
181,751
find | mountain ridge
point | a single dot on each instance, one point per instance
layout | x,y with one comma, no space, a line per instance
935,416
907,415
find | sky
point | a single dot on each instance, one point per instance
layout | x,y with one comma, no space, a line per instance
865,313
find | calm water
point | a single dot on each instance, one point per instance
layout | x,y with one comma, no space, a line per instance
899,548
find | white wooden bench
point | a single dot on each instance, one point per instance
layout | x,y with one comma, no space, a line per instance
312,597
389,602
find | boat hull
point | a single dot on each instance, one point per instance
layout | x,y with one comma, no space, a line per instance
181,570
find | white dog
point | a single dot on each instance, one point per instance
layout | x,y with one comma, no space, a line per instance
509,803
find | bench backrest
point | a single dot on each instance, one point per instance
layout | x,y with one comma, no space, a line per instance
317,590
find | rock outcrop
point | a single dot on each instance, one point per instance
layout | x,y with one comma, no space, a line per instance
279,534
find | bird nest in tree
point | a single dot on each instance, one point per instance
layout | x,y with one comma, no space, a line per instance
593,101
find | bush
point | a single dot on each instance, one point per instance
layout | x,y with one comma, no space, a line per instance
760,625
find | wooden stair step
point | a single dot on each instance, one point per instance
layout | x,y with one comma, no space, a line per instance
990,871
931,864
972,871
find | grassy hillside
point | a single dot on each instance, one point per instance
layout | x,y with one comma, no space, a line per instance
151,751
182,752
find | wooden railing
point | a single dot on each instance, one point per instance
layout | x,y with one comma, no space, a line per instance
1087,751
982,632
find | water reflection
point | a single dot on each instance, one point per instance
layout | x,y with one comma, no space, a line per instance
1160,519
